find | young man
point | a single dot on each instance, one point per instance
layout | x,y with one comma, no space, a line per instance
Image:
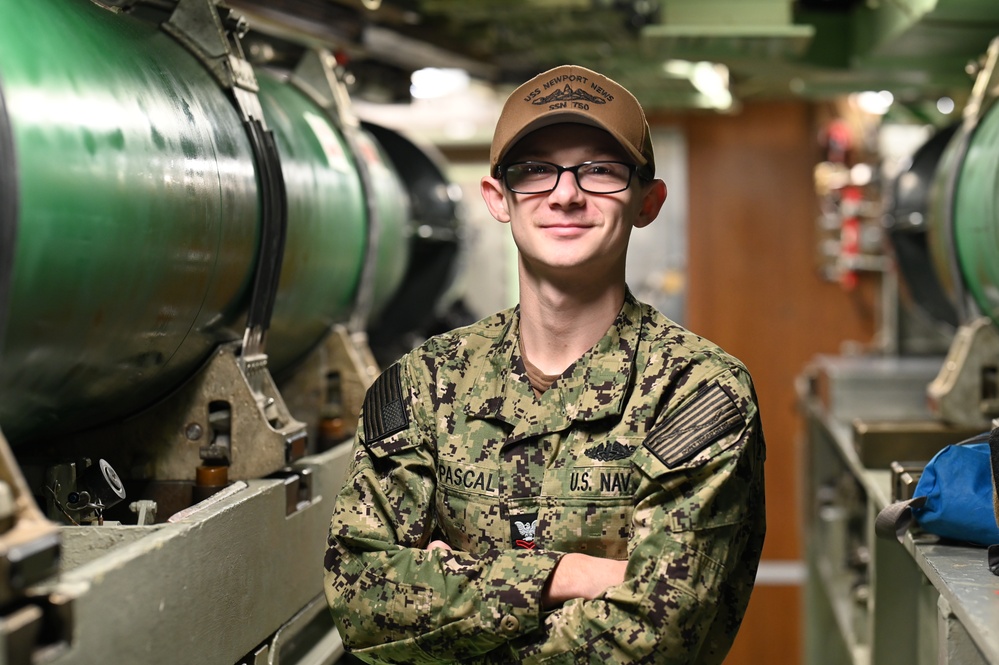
574,480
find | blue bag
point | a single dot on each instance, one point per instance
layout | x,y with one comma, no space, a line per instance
957,484
956,497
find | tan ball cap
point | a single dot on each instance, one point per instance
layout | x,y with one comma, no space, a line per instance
570,93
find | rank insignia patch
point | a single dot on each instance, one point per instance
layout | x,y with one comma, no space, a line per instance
712,414
522,528
384,410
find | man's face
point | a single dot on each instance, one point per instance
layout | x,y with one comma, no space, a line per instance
569,233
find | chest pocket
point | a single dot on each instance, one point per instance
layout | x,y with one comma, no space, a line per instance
589,498
468,513
594,472
597,483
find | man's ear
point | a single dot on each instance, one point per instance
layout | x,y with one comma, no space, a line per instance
494,194
652,203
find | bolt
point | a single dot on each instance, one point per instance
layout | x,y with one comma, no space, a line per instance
193,431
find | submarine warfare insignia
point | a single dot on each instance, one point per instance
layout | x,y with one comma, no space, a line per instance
609,451
567,94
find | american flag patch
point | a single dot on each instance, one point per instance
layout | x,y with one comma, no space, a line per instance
712,413
384,410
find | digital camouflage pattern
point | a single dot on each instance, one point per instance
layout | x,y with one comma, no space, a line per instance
648,449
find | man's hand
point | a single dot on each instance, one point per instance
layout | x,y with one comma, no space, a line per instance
581,576
576,576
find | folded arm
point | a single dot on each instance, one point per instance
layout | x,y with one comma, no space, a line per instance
395,599
399,596
686,584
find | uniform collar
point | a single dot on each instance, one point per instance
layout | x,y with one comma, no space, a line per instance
593,387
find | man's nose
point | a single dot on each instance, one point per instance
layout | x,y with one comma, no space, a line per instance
567,189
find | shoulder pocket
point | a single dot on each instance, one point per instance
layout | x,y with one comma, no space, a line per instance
705,419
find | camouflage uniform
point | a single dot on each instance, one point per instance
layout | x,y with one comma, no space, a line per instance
648,448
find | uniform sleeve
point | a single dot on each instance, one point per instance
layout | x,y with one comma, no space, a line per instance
696,541
391,600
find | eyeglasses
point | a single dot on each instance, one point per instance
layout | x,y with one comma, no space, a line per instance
542,177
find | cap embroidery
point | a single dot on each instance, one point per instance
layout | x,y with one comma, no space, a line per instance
567,94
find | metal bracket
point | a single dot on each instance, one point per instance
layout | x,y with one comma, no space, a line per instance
211,31
30,545
965,390
260,435
328,389
986,88
315,76
904,478
217,415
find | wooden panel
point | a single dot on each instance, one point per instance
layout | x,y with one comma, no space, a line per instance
771,632
754,288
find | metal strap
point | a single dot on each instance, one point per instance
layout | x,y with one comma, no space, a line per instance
199,25
274,227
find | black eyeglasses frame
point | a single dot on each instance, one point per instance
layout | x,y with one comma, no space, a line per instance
501,174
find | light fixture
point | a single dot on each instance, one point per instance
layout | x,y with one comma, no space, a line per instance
709,78
433,82
945,105
875,103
